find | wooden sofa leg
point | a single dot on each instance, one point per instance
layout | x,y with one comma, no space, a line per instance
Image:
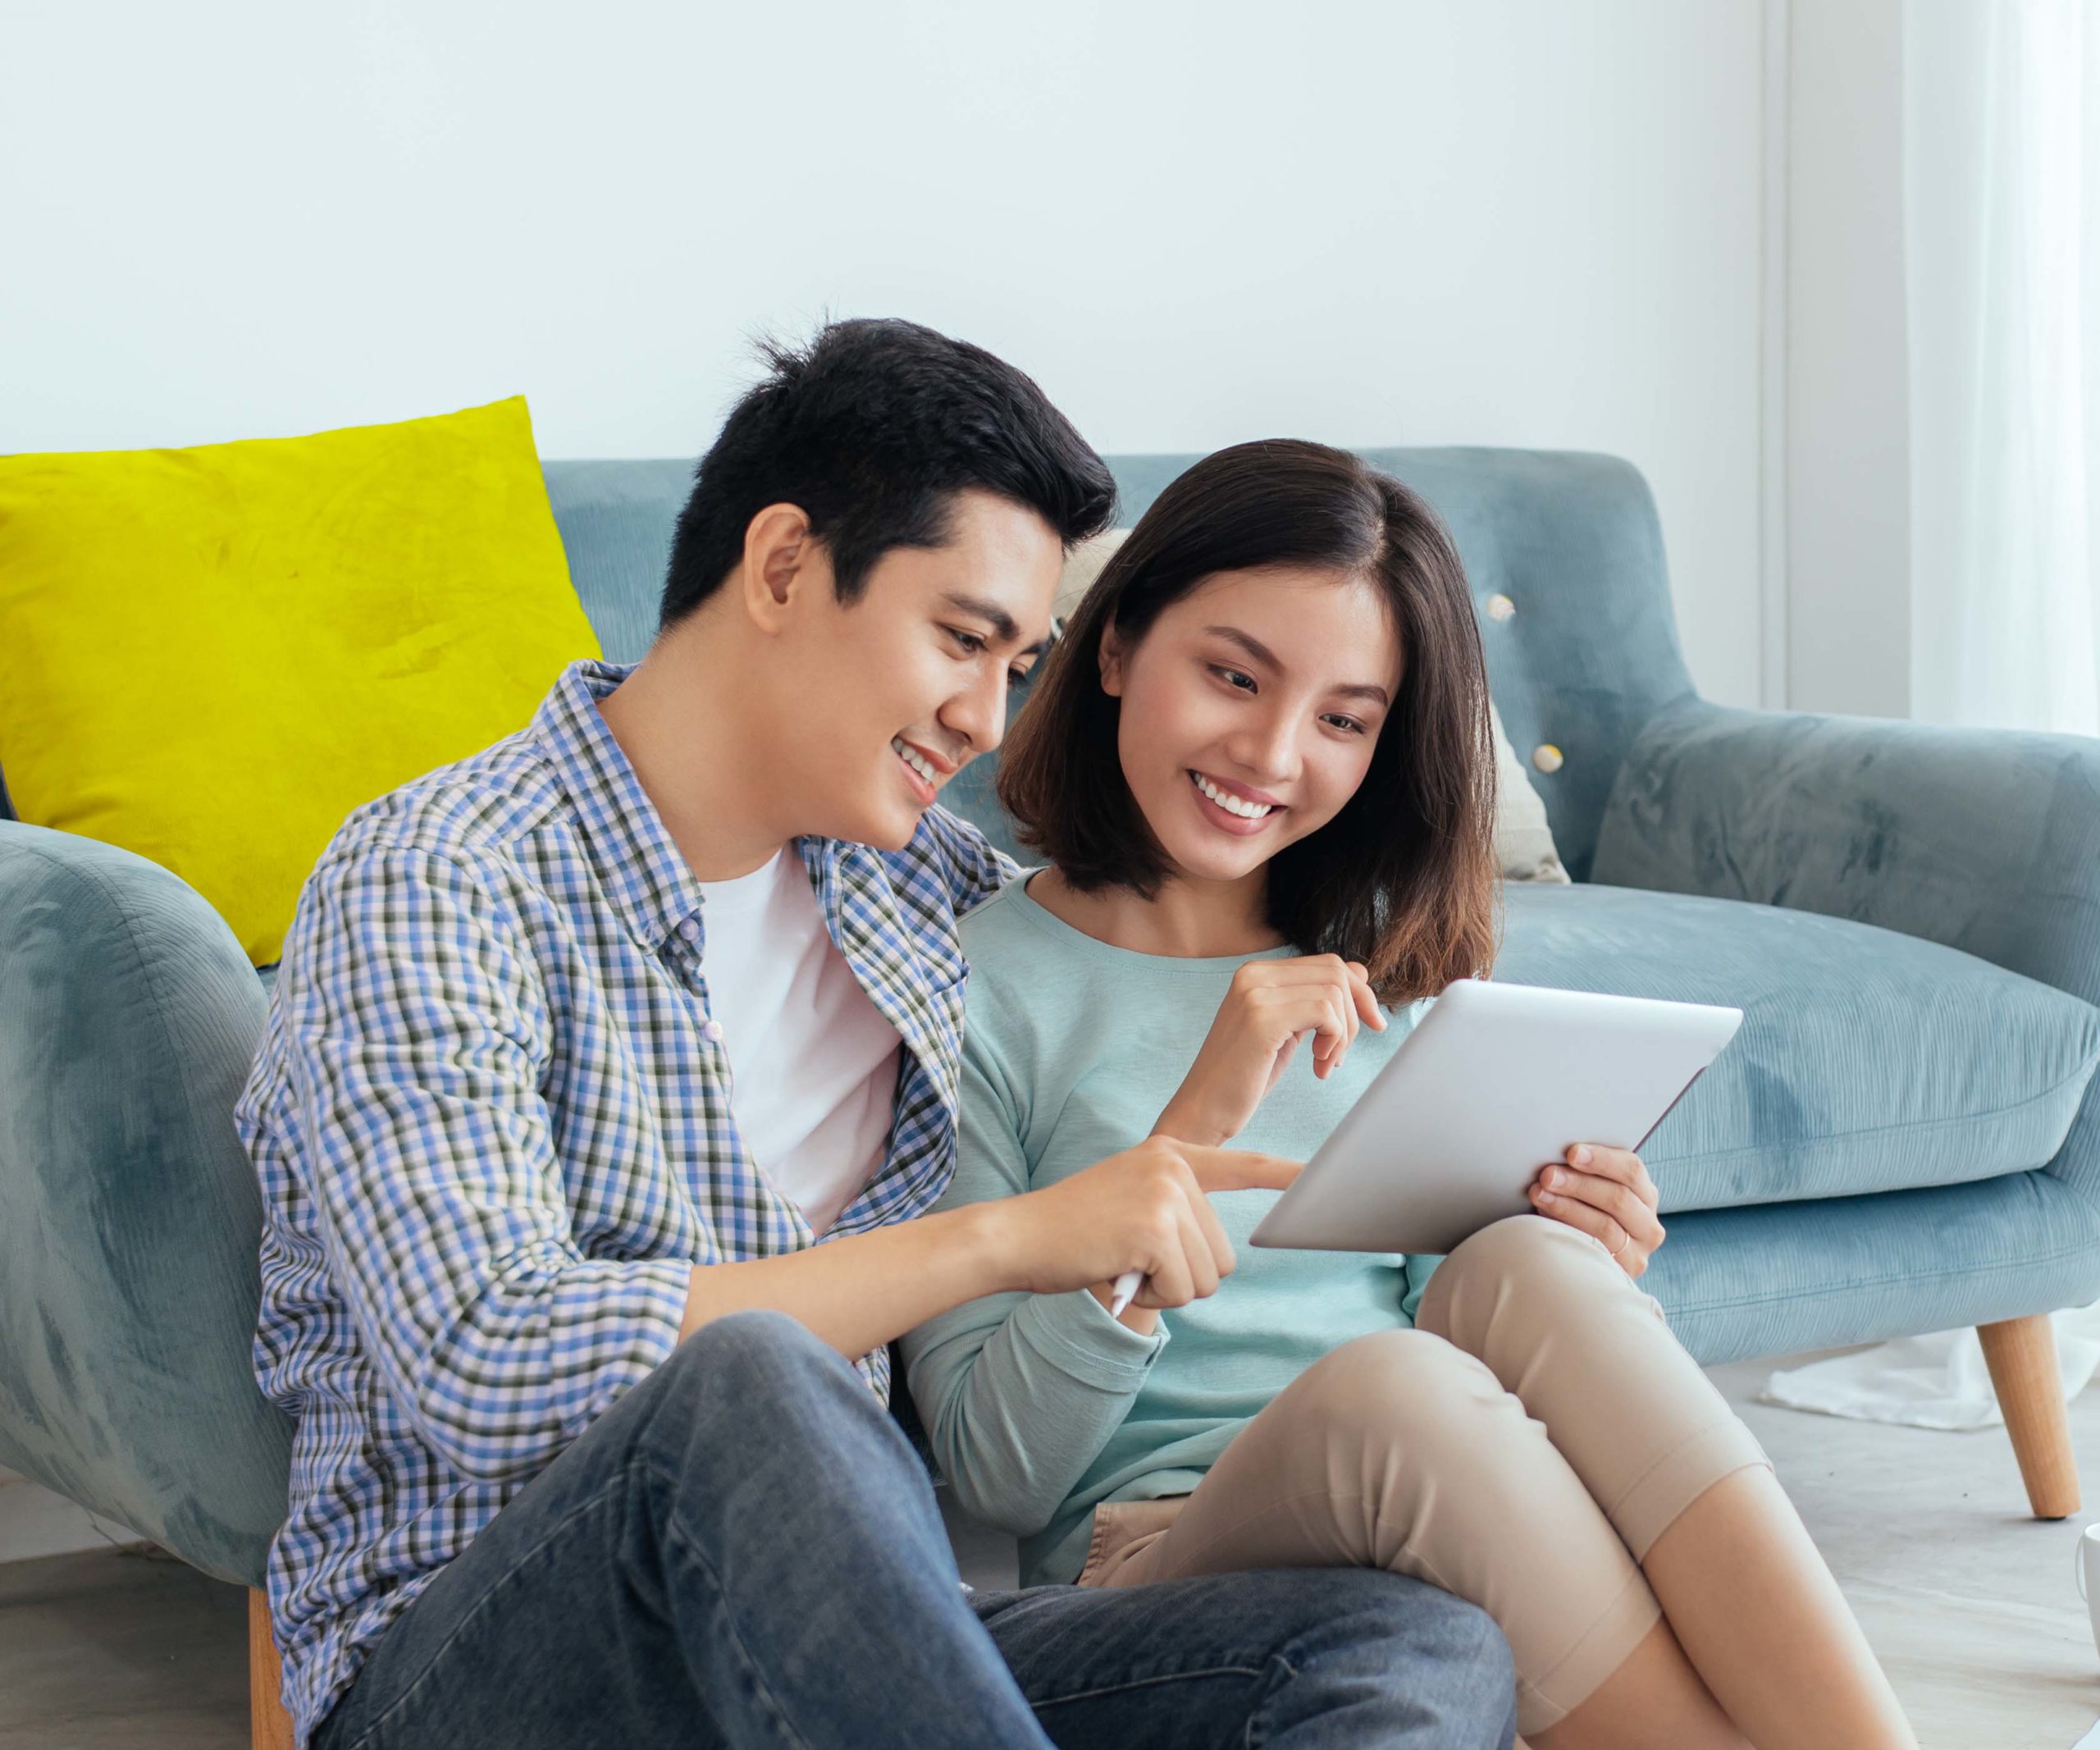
2021,1353
270,1727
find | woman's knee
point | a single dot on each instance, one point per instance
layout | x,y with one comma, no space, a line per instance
1402,1383
1525,1257
1521,1246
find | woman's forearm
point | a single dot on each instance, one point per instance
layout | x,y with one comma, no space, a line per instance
1019,1395
859,1292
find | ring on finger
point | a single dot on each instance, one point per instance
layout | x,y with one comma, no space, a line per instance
1625,1240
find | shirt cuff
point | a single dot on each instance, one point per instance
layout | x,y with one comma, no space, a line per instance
1074,1333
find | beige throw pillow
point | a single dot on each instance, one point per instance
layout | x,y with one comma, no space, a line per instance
1082,565
1523,839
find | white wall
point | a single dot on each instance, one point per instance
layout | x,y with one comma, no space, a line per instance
1848,485
1424,223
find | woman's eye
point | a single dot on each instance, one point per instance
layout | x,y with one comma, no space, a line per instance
970,641
1233,678
1018,677
1350,723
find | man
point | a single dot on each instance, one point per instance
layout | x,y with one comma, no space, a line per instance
579,1048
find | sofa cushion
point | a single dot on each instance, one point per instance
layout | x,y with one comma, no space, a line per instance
1867,1060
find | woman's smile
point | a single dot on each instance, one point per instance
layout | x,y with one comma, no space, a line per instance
1231,808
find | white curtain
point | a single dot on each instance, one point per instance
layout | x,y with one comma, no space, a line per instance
2001,278
2001,212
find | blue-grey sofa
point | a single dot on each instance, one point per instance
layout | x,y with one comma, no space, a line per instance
1900,1139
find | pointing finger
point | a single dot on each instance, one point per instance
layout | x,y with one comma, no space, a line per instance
1239,1169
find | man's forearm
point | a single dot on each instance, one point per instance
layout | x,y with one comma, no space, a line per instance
860,1292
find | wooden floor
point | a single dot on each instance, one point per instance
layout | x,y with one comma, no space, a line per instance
1971,1604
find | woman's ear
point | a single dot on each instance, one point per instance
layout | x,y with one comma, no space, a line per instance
1111,657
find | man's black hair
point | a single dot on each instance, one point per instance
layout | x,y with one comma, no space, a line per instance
871,429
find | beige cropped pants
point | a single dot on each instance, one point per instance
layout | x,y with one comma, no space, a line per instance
1522,1447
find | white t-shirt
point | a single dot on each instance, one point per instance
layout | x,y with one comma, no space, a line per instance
813,1063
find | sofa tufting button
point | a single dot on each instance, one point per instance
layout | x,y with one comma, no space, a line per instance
1546,757
1500,607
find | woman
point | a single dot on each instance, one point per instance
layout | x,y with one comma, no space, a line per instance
1259,763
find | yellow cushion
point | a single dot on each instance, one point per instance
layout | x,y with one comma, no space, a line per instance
210,656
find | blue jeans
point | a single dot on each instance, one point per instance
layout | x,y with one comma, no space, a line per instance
745,1551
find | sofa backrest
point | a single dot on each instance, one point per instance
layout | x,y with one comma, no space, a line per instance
1582,648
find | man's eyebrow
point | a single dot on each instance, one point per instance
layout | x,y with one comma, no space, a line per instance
1004,627
1260,652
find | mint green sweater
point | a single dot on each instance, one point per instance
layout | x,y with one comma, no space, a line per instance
1040,1406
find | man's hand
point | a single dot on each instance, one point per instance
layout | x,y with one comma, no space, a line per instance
1147,1209
1271,1005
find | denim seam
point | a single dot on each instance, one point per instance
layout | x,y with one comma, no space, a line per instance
596,1500
430,1662
695,1550
1257,1722
1147,1683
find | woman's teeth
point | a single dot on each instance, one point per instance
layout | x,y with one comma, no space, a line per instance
1228,802
915,760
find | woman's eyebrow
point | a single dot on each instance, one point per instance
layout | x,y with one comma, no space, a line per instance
1260,652
1252,645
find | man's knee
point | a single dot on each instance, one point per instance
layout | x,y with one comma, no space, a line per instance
753,1349
753,1376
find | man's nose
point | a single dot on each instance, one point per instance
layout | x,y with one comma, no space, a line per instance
978,714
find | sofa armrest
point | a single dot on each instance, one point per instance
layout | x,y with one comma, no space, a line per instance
130,1217
1986,840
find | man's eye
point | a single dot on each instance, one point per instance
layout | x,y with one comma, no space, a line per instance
1018,677
970,641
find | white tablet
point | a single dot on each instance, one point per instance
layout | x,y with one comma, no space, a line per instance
1494,1082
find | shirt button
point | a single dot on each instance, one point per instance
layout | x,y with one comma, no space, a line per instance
1500,607
690,928
712,1032
1546,757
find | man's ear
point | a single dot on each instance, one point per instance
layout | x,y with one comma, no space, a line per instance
781,565
1111,657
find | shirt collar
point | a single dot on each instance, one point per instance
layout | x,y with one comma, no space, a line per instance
642,869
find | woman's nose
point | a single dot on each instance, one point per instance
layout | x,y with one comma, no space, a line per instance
1269,750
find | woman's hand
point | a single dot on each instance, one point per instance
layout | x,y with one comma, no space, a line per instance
1608,1194
1147,1209
1271,1005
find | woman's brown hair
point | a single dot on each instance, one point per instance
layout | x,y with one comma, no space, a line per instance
1403,878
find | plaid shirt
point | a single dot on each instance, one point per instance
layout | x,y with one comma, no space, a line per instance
491,1119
